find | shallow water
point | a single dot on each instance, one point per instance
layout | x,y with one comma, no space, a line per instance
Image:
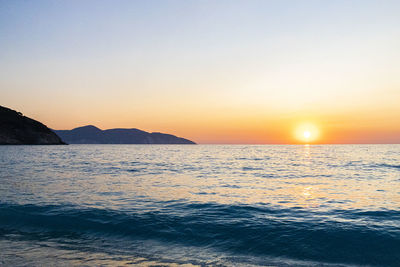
160,205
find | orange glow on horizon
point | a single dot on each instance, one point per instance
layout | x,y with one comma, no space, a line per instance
231,126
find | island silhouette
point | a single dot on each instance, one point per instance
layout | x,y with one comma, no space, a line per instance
92,135
17,129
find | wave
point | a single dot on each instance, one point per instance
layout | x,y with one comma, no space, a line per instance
240,229
385,165
365,165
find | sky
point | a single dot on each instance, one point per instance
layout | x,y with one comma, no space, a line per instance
231,72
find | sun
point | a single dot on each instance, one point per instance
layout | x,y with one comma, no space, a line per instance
306,133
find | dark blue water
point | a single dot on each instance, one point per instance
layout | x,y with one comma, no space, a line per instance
200,205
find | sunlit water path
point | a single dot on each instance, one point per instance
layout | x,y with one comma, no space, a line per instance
200,205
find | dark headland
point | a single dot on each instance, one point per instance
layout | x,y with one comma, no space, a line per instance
93,135
16,129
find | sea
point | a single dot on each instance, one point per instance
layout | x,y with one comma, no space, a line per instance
200,205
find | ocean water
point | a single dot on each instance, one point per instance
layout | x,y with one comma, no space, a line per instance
200,205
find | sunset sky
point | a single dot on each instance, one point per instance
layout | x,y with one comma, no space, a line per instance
210,71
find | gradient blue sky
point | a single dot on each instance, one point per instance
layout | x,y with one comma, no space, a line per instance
212,71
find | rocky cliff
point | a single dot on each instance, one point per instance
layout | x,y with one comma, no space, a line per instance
16,129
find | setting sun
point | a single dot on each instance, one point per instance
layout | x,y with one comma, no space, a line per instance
307,133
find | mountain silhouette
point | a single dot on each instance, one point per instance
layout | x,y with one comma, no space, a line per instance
16,129
92,135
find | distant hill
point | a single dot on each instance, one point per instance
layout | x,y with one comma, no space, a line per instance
93,135
16,129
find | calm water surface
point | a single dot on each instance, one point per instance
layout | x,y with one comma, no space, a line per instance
156,205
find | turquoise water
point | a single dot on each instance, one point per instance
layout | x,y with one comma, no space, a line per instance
207,205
